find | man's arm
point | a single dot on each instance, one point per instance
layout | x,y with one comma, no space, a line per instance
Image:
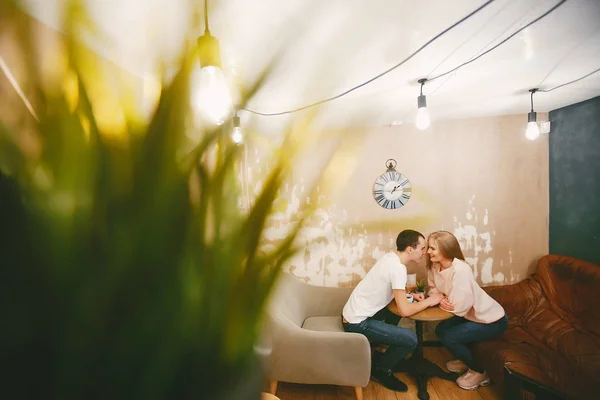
407,309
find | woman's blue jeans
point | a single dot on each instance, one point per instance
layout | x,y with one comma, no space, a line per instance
401,341
456,333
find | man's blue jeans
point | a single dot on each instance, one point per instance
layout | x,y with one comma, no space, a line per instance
401,341
455,333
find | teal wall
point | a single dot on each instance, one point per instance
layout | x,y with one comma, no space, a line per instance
575,181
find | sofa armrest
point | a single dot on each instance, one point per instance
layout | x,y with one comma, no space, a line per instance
515,382
518,298
303,356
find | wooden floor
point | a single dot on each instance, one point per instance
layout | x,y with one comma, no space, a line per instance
438,389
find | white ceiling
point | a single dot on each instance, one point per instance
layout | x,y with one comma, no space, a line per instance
331,46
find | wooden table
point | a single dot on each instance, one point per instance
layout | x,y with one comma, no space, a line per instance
418,366
427,315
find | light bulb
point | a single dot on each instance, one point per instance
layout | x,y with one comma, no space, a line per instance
237,136
533,130
211,98
422,120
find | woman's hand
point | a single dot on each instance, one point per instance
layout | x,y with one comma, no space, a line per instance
434,299
419,296
446,305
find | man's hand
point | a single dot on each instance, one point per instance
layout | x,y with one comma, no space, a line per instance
419,296
446,305
434,299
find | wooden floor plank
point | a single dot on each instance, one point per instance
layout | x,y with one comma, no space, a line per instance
385,394
446,389
437,388
491,392
370,392
412,387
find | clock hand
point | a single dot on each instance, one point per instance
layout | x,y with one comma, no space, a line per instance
395,187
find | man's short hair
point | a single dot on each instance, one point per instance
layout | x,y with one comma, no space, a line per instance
408,238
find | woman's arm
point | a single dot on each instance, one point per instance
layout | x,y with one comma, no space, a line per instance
461,295
431,282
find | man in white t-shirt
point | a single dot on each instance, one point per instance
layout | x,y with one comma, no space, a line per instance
384,282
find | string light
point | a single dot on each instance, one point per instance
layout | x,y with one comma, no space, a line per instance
237,135
211,97
532,131
430,41
556,6
422,120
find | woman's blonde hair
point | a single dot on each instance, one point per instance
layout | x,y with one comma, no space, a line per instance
447,244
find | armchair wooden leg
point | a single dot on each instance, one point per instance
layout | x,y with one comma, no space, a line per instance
272,387
358,392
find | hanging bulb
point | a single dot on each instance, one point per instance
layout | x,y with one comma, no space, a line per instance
422,121
532,131
237,135
211,98
210,93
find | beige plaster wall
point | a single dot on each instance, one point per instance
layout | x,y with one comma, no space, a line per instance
479,178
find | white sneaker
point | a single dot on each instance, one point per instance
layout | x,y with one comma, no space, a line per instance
471,380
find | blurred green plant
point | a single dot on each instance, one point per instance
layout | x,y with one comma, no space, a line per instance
128,269
421,286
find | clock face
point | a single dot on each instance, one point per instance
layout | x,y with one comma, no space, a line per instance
392,190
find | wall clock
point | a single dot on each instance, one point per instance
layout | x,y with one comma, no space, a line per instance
391,189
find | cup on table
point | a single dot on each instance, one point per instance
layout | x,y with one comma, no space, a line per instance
411,283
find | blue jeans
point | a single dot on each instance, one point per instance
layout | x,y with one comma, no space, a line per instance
401,341
455,333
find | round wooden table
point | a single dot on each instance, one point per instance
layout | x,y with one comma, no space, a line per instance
418,366
427,315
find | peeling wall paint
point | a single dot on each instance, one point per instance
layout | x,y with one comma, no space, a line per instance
480,179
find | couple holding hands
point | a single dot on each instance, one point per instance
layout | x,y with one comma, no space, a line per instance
452,285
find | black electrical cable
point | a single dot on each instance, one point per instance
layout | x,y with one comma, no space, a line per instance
206,29
568,83
532,91
381,74
560,3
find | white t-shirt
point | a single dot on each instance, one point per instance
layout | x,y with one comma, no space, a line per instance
374,292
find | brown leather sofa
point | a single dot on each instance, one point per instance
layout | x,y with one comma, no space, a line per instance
553,336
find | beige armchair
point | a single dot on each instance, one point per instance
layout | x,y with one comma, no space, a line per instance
308,342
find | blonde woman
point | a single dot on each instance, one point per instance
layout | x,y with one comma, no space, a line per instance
477,316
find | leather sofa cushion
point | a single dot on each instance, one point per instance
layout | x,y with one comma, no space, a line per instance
571,285
531,358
